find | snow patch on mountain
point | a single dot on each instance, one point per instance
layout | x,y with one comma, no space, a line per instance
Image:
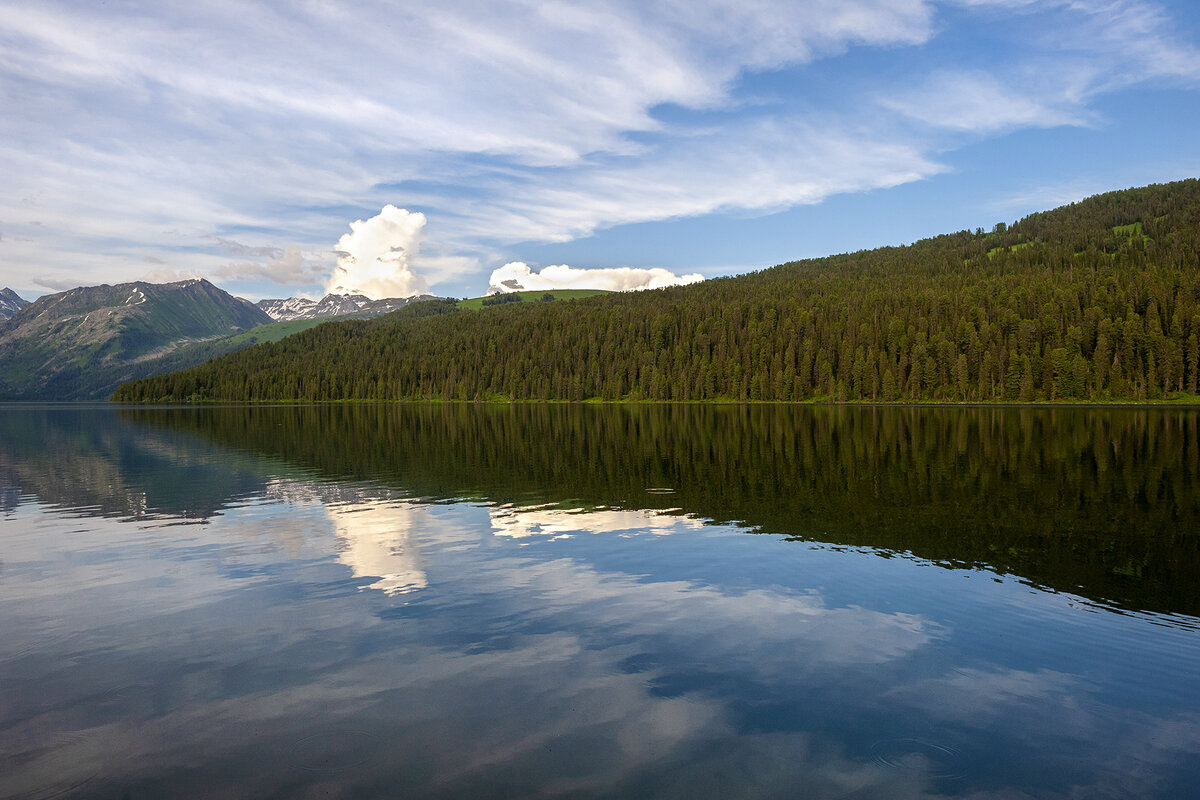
333,305
10,303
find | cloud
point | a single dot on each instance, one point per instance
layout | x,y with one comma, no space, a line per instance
982,103
289,269
757,164
208,135
54,283
1062,54
516,276
1139,39
1046,196
551,121
238,249
168,275
375,258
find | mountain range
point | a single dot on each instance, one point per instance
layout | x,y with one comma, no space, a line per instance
82,343
333,305
75,344
1097,301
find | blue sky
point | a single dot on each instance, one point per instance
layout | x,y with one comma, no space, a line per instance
280,149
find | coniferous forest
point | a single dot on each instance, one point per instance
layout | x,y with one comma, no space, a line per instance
1091,302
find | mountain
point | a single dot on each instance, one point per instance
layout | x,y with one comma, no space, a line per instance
10,303
334,305
80,344
1092,302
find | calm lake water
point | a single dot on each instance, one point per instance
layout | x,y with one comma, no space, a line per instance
566,601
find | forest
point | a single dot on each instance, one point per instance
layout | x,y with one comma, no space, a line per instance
1096,301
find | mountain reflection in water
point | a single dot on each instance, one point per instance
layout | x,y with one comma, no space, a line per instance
462,601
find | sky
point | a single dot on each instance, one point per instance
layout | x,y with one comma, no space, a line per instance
395,148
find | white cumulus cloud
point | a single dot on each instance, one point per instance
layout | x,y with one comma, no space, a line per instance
517,275
375,258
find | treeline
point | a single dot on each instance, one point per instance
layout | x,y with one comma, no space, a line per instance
1099,300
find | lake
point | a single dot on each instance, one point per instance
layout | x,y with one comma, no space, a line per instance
411,601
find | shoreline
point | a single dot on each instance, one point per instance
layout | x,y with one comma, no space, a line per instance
1188,403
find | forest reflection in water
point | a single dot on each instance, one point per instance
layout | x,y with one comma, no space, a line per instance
1099,502
499,601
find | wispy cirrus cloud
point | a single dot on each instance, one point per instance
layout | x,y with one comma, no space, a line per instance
1061,55
167,132
982,103
757,165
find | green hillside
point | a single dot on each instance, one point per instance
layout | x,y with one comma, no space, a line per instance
1065,305
188,355
477,303
80,344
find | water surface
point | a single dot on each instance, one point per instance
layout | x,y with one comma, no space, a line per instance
462,601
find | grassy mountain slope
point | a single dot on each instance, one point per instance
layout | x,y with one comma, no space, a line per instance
533,295
81,343
1099,300
193,353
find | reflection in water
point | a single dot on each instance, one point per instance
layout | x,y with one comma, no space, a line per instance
388,628
374,531
89,461
377,541
1096,502
518,522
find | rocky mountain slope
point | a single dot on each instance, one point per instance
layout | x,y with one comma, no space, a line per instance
80,344
333,305
10,303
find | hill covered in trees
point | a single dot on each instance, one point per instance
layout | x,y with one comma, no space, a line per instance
1098,300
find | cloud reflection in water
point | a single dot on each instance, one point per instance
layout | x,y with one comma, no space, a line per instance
327,639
